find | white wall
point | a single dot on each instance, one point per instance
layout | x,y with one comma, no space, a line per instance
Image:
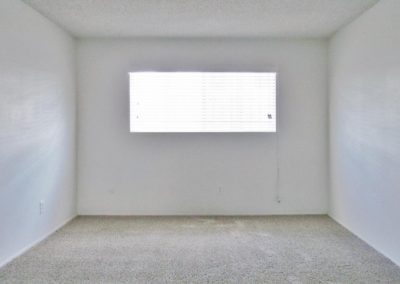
37,127
125,173
365,127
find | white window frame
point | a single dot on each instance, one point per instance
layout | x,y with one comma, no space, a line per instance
211,131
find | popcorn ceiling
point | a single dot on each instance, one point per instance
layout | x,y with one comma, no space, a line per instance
205,18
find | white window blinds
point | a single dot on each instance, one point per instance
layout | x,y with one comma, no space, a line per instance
202,102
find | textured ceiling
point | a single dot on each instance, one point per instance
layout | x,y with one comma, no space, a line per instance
201,18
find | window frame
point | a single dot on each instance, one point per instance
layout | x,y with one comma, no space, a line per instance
277,103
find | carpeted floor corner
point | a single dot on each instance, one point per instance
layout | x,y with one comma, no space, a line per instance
273,249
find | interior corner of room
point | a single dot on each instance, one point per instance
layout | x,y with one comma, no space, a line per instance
66,150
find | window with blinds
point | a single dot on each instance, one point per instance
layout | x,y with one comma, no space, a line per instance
202,102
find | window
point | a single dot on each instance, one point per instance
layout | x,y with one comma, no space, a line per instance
202,102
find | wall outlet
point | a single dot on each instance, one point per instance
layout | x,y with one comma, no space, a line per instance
41,207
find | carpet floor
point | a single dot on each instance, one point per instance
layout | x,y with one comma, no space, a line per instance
290,249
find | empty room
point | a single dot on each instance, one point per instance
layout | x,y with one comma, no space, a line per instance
212,141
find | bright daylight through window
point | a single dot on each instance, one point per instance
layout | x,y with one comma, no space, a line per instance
202,102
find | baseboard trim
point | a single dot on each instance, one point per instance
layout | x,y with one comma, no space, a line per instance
365,241
195,214
203,215
36,242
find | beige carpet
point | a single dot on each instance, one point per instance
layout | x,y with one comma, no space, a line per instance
298,249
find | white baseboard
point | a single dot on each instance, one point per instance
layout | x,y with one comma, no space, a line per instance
28,247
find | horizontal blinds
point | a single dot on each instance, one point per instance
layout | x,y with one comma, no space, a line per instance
202,102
